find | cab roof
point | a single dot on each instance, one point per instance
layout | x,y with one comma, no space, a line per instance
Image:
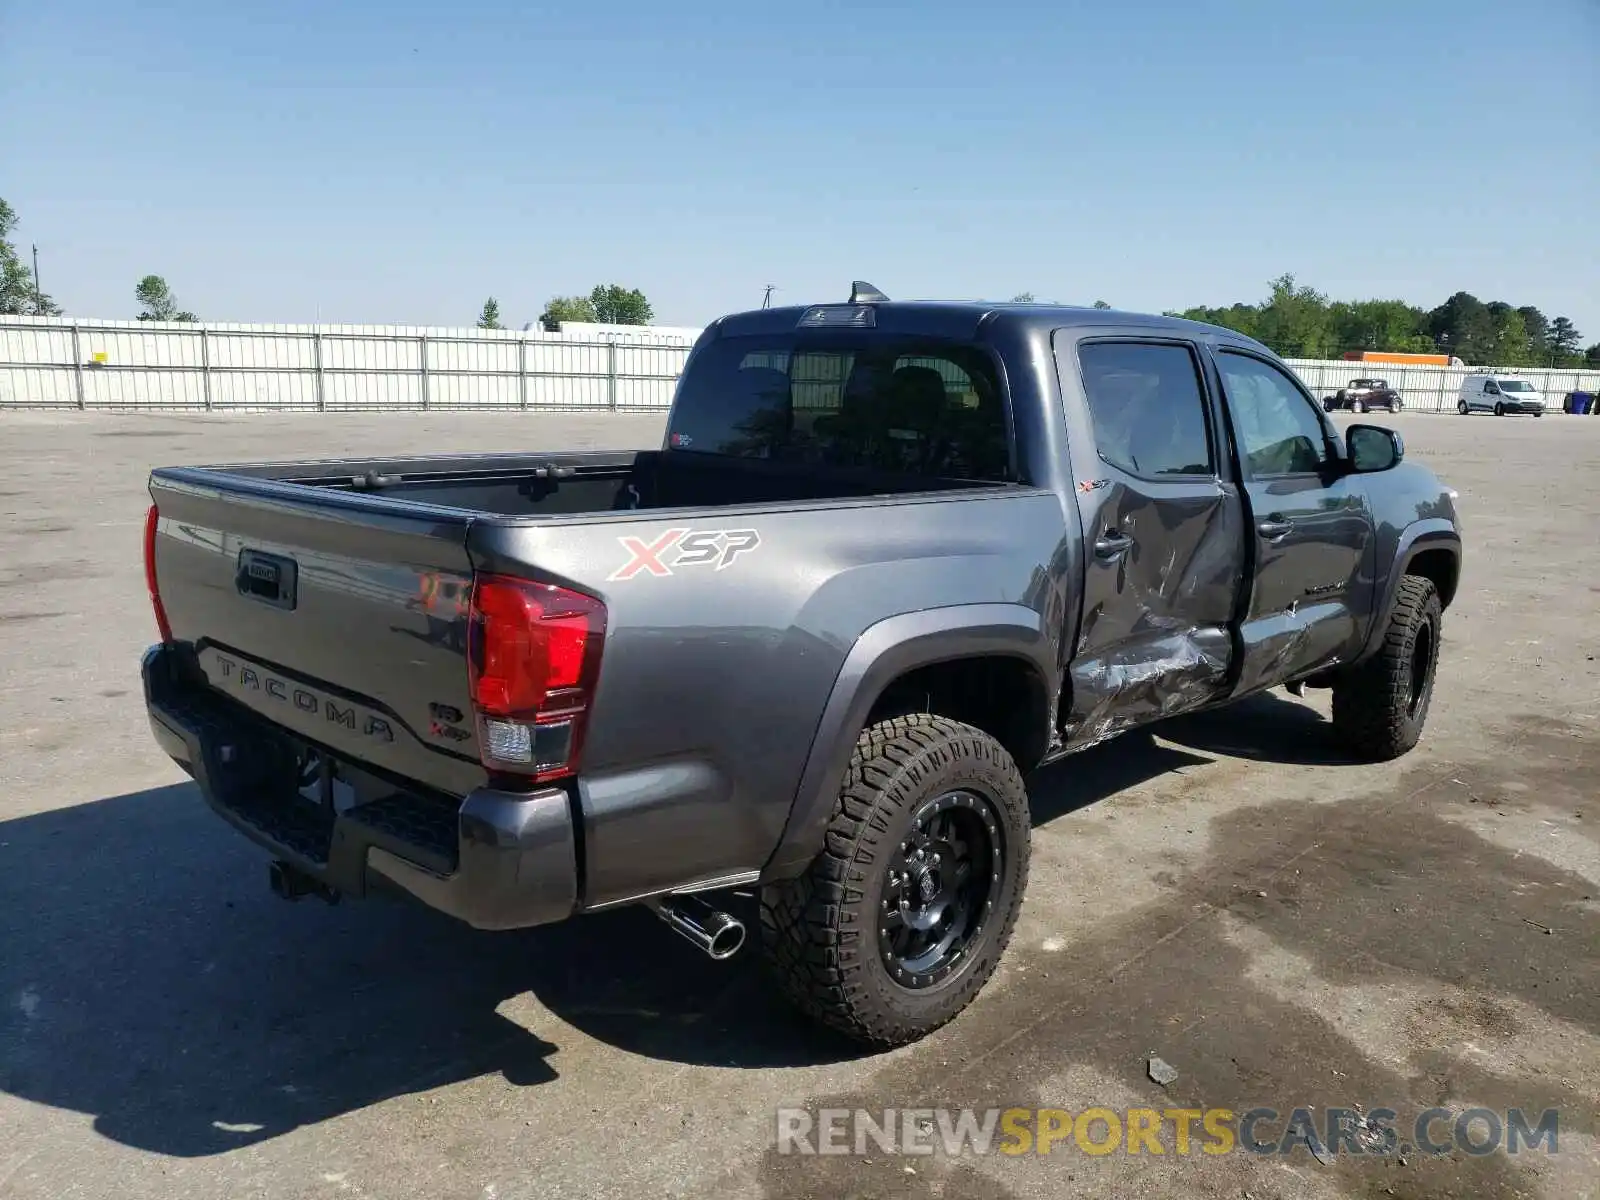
963,319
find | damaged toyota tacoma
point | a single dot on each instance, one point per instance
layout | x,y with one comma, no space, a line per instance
887,559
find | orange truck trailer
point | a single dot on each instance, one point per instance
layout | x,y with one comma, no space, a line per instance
1417,360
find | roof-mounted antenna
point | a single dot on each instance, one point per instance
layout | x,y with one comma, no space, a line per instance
865,293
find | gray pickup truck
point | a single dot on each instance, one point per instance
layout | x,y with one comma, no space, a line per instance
887,558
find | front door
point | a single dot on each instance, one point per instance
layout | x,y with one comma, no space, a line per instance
1312,590
1163,527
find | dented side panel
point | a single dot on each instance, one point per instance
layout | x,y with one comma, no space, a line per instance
1164,575
1139,681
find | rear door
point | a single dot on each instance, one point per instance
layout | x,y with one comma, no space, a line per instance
1311,586
1164,526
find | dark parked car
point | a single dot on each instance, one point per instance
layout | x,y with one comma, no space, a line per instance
1364,395
888,558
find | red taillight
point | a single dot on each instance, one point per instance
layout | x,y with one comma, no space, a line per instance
533,661
151,520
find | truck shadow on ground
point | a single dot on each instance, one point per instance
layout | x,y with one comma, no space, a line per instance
1269,727
152,981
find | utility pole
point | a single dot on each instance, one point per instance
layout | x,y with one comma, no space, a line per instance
38,295
766,301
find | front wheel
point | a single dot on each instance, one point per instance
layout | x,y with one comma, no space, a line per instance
1359,406
1499,409
1394,406
1381,704
902,918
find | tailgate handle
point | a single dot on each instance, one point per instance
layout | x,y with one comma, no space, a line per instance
269,578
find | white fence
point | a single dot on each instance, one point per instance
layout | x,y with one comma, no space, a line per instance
1436,389
132,365
62,362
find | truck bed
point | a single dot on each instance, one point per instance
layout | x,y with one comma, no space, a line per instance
365,569
521,485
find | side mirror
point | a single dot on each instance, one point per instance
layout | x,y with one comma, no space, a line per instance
1373,448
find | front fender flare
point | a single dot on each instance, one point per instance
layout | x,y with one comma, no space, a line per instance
1430,533
883,653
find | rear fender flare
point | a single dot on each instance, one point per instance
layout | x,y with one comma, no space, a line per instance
883,653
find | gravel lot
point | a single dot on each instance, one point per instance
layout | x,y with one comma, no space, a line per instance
1284,928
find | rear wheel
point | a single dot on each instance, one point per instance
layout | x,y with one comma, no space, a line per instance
903,917
1461,407
1381,705
1359,406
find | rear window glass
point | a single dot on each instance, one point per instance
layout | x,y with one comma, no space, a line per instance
847,400
1148,411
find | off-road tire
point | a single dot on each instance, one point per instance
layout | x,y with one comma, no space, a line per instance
819,932
1373,710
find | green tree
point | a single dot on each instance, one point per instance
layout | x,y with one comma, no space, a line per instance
1379,325
1241,318
1463,327
19,292
1296,321
1299,321
1022,298
1101,304
489,318
1591,356
617,305
158,301
1510,345
1563,342
567,308
1538,331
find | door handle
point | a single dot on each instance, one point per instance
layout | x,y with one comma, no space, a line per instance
1111,543
1274,528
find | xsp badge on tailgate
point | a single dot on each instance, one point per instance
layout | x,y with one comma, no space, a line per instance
674,548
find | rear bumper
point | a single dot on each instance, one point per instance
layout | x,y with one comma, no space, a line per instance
498,860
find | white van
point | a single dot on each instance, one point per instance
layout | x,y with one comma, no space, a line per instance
1499,394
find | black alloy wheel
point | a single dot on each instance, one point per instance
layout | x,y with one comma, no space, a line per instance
939,888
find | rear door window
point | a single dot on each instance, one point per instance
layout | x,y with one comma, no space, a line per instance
1147,406
905,406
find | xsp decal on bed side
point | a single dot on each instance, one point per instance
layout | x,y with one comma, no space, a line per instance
674,548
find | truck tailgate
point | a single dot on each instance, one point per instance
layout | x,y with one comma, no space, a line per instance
340,617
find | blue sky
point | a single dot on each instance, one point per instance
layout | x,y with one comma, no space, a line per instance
399,162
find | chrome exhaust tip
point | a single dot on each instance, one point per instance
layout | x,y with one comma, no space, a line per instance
713,931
